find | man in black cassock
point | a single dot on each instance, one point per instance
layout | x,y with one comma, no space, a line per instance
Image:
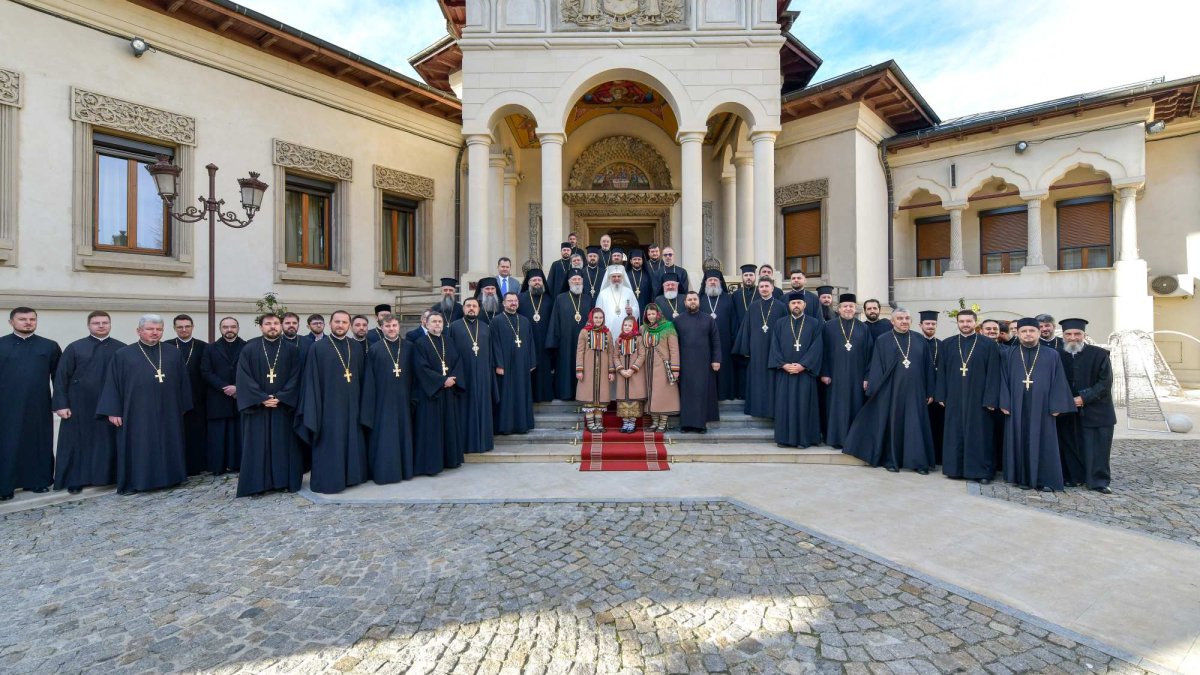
536,305
559,269
654,261
218,365
360,326
1046,332
669,267
27,365
475,387
87,444
848,345
438,418
329,415
968,390
742,297
448,305
593,273
386,406
639,278
195,421
718,304
799,282
670,303
145,395
268,389
382,311
892,429
1086,435
754,342
825,299
990,328
571,310
1033,393
937,414
489,300
797,348
699,363
513,357
769,272
876,325
606,250
291,337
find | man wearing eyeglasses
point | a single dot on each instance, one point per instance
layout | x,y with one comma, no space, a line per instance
669,267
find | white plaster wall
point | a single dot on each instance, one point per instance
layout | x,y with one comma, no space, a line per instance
829,157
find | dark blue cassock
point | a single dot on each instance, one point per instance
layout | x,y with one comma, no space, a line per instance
1085,435
570,314
386,411
455,314
643,286
27,366
302,345
87,444
1031,458
514,400
538,309
671,309
846,370
195,422
556,279
657,275
754,341
742,299
437,413
150,442
879,327
271,457
593,279
797,422
937,414
892,429
970,398
329,415
699,348
722,306
476,390
218,366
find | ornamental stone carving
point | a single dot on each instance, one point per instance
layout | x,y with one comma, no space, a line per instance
404,183
10,88
617,149
622,14
296,156
621,197
113,113
535,230
801,193
706,220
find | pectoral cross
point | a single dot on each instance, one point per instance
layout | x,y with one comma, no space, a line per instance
474,348
849,346
906,363
1027,382
396,370
158,374
347,375
963,370
271,375
796,344
764,327
445,370
518,340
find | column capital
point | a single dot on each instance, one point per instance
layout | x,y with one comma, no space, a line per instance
956,206
690,136
552,137
743,158
1135,182
498,160
479,139
728,177
512,178
763,135
1034,197
1127,191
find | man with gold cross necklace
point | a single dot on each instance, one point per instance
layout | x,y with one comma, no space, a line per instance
385,405
968,389
268,389
514,360
440,414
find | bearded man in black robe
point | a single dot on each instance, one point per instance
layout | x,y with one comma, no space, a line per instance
195,421
386,405
754,342
892,429
512,346
87,444
218,365
27,365
268,389
1086,435
848,345
968,390
797,348
1046,332
699,363
291,337
359,329
145,395
718,304
799,284
571,310
593,273
742,298
1034,392
447,305
559,270
937,413
486,292
670,303
825,299
475,388
536,305
640,279
438,417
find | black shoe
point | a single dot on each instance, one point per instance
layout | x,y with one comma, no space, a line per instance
923,472
1046,488
40,490
1069,484
702,430
74,490
1103,490
4,498
985,481
1022,487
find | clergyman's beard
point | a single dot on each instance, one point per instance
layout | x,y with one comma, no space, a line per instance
712,291
670,295
446,304
797,313
289,333
1073,347
577,289
536,291
491,303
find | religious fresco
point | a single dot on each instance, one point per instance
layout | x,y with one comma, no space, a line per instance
620,176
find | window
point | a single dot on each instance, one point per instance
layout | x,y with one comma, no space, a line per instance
802,238
129,215
1002,240
1085,229
308,222
933,246
399,236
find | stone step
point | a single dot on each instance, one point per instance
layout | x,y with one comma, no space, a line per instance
572,420
680,451
714,436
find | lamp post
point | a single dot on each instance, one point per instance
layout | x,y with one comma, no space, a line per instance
166,178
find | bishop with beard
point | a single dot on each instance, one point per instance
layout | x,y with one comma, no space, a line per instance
447,305
718,304
268,389
487,293
571,310
513,358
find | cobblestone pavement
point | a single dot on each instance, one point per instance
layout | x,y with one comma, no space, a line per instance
193,579
1155,484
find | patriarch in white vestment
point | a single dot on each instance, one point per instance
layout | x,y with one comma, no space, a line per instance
616,298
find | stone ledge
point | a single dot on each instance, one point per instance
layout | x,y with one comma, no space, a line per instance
133,264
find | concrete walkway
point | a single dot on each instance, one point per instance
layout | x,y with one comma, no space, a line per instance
1135,593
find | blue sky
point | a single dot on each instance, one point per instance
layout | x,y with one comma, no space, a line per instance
964,56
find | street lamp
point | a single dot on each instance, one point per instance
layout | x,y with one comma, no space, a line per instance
166,179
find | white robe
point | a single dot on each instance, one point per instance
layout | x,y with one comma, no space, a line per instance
613,300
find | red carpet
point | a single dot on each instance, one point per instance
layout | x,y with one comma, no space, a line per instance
614,451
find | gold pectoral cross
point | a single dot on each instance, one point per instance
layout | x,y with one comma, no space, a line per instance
963,370
158,374
347,375
1027,382
271,375
445,370
475,348
396,371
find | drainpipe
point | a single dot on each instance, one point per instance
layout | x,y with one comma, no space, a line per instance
891,209
458,211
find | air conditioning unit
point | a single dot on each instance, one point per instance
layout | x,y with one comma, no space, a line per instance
1174,285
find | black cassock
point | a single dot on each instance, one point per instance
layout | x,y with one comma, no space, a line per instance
593,279
879,327
1085,436
643,286
968,445
328,418
363,345
892,429
271,456
538,309
219,368
570,314
742,299
87,444
722,306
846,370
27,442
374,335
386,411
1031,457
937,414
151,453
437,414
657,275
455,314
699,348
754,341
671,309
195,422
797,422
514,401
556,280
303,345
476,390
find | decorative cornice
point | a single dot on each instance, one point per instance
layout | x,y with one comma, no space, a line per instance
613,149
119,115
800,193
574,197
404,183
10,88
627,212
296,156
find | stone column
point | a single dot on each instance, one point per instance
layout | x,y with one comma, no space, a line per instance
1034,255
728,255
478,151
1127,208
511,178
1133,306
957,267
690,249
496,223
743,164
552,203
764,197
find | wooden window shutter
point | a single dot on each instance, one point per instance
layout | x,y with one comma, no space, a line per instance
1083,225
802,233
1004,232
933,240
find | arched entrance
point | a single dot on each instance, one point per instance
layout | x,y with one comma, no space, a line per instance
622,186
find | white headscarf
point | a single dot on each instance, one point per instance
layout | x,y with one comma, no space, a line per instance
612,299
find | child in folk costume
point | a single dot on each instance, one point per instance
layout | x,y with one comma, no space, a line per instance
593,362
628,356
660,366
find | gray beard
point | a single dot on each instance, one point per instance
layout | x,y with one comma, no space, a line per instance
712,291
446,305
1073,347
490,303
670,295
577,289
